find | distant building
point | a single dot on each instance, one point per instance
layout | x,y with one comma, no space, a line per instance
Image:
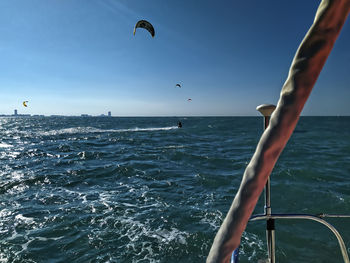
15,113
109,114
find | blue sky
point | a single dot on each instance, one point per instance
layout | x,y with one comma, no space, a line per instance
75,57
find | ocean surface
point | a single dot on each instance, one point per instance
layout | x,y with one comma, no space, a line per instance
95,189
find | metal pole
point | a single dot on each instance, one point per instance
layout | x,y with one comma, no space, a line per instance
316,218
266,110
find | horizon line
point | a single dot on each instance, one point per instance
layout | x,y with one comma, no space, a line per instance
151,116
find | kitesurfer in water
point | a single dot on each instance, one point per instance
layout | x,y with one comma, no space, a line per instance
179,124
305,68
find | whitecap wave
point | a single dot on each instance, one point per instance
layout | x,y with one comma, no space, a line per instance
5,145
85,130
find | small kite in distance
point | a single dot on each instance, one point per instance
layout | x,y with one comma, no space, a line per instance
25,103
178,85
189,100
146,25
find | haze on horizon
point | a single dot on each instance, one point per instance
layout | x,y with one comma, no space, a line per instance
81,57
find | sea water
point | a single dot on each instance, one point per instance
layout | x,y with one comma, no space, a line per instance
100,189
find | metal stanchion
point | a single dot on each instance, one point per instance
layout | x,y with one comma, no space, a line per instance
266,110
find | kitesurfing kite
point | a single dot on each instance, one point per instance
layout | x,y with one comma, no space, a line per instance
189,100
146,25
25,103
178,85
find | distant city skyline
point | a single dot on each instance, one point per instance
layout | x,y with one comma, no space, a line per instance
78,57
16,113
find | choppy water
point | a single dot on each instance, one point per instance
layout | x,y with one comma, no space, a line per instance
141,190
